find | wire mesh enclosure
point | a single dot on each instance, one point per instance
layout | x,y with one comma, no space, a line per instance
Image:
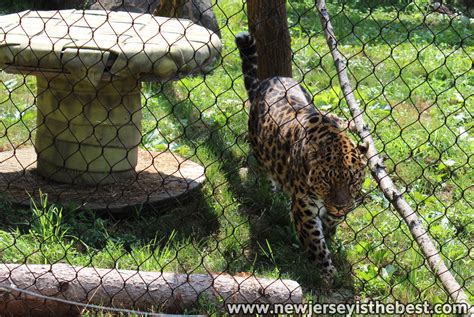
128,184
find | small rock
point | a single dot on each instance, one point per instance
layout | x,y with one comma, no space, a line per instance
243,173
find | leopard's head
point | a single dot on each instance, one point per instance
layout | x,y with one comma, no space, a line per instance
336,172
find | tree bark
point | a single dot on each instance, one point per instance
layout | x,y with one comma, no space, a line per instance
269,26
379,172
64,290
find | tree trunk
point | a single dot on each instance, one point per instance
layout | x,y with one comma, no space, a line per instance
269,26
64,290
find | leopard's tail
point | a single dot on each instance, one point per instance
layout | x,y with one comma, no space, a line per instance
248,53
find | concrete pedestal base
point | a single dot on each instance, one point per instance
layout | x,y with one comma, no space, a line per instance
87,134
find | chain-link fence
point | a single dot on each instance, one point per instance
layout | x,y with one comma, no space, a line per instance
127,182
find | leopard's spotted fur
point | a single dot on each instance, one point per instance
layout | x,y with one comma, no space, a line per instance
304,151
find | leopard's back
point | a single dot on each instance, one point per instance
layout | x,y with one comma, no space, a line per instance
276,123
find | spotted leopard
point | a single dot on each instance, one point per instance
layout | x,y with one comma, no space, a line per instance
304,151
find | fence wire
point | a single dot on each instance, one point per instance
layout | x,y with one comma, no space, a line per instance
128,184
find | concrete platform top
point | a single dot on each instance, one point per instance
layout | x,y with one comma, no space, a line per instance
98,44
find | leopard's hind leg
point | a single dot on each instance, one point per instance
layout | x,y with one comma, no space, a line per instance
311,234
275,186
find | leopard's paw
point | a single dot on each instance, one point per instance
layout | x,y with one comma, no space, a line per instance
328,275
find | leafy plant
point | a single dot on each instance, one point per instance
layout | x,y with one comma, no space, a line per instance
47,223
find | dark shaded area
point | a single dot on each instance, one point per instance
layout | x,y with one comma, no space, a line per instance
151,223
11,6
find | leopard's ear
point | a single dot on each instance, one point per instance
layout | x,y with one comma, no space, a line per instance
363,147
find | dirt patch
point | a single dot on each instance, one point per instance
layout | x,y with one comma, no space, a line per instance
407,113
447,193
160,176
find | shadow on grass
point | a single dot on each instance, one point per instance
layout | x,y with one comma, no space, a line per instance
137,227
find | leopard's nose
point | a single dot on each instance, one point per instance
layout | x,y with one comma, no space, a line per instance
344,209
337,211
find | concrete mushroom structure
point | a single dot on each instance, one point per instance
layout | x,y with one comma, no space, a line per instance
89,65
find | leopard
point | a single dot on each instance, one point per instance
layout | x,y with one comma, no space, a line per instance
305,152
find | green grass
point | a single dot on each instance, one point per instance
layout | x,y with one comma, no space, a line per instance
413,77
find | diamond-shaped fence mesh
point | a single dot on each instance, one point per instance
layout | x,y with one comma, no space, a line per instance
128,182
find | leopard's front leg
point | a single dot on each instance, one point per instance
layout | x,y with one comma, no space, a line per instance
308,224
